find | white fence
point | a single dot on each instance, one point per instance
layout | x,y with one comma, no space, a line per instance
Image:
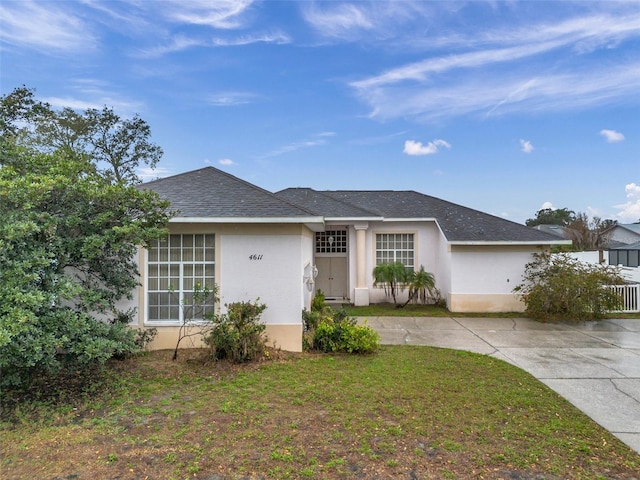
629,297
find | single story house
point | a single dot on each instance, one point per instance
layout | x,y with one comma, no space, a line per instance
282,247
625,255
623,234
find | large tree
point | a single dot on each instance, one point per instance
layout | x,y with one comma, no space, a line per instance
116,146
69,233
589,234
552,216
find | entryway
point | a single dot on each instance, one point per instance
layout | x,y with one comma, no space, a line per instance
332,263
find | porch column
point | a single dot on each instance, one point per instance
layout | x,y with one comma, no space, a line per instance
361,290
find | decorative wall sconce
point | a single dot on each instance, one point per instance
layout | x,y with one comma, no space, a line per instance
309,283
311,272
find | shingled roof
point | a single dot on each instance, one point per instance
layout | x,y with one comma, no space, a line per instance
212,193
458,223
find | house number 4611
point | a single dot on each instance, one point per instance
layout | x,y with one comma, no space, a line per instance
255,256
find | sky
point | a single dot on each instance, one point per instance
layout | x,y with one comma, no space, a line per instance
505,107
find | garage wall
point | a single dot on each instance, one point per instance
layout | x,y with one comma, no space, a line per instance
483,277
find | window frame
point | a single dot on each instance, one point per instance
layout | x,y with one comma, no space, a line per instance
197,266
395,251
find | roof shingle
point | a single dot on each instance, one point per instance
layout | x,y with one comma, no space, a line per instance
211,193
458,223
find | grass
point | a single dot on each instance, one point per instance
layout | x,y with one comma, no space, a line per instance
405,412
419,310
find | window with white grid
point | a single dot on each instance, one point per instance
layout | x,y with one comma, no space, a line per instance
331,241
176,265
395,247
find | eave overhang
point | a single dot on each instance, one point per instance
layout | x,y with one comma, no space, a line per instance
506,242
315,224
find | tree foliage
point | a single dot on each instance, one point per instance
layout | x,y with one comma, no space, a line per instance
589,234
559,287
585,233
69,235
395,278
116,146
552,216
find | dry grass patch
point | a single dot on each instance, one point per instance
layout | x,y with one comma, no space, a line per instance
406,412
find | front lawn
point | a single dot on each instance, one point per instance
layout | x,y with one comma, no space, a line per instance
405,412
419,310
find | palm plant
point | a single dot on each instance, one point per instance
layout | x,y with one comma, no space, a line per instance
393,277
422,286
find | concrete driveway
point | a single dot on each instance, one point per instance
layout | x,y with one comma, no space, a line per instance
594,365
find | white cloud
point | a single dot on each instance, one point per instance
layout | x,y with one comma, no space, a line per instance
508,92
221,14
315,141
526,146
547,205
229,99
630,211
498,70
339,20
44,26
611,135
122,107
175,44
179,43
411,147
147,174
226,162
278,38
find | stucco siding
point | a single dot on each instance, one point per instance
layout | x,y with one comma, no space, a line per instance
265,262
427,246
485,302
623,235
483,277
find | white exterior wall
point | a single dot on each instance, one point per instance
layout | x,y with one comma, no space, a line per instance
483,277
427,244
444,254
590,257
630,274
275,275
622,235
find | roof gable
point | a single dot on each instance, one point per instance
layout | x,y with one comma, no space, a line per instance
458,223
632,246
212,193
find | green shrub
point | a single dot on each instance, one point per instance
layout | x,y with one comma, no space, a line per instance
335,331
238,334
319,302
559,287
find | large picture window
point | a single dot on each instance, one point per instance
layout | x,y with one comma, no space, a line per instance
395,247
175,265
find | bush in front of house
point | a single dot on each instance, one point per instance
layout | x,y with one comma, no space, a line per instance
560,287
327,330
238,335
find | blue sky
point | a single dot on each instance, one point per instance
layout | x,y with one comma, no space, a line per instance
506,107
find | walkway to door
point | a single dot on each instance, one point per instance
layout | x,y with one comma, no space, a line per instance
594,365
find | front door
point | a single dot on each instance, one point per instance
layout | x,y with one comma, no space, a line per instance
332,263
332,276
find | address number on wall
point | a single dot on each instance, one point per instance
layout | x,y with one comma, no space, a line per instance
255,256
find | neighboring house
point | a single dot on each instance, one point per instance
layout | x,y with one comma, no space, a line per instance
282,247
556,230
625,255
623,234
